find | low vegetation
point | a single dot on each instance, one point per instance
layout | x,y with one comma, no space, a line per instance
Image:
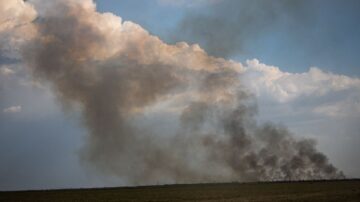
337,191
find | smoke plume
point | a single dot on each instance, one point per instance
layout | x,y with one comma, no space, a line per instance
226,26
120,75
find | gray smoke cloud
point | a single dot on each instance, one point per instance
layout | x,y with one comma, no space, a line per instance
225,27
118,74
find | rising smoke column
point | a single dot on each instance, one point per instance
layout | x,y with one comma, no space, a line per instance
116,72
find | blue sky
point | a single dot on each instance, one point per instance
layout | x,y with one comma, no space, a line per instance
40,139
329,39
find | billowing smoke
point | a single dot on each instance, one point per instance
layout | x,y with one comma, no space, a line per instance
227,25
128,84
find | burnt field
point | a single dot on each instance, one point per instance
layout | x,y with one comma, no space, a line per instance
341,190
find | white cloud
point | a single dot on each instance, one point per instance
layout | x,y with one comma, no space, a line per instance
5,71
325,93
15,26
285,87
350,107
12,109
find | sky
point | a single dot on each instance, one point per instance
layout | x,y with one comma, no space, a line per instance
325,34
299,61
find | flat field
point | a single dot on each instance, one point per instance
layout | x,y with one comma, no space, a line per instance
337,191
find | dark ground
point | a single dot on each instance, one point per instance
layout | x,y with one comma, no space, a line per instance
339,191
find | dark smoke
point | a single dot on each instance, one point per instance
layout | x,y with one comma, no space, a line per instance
117,73
225,28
